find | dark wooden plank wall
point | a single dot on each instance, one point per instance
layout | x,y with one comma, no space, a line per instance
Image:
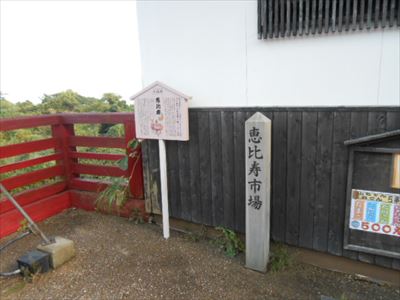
280,18
206,176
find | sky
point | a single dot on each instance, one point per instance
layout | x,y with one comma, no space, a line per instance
90,47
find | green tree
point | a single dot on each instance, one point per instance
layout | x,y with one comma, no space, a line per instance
68,101
115,103
8,109
27,108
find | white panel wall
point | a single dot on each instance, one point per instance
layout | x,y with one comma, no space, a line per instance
210,50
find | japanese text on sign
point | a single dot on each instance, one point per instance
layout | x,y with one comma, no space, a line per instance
258,189
255,156
161,113
376,212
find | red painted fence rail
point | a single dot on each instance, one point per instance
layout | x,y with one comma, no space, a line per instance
62,185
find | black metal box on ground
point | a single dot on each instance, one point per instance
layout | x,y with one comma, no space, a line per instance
35,261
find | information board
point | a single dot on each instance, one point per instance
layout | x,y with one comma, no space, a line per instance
161,113
372,223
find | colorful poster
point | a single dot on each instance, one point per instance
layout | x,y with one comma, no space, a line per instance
375,212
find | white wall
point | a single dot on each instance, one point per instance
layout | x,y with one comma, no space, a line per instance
210,50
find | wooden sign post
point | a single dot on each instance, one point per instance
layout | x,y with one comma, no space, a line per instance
258,189
164,187
162,113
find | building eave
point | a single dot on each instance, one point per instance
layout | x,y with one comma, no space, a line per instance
373,138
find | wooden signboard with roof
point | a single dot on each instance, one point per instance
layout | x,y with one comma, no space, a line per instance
162,113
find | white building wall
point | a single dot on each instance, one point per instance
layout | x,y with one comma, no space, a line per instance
210,50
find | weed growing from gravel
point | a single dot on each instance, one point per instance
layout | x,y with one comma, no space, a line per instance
280,258
117,192
23,225
229,242
197,236
136,216
14,288
192,236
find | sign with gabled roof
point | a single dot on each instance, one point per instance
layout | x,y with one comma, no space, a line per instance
161,113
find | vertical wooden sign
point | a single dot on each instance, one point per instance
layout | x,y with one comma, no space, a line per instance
258,190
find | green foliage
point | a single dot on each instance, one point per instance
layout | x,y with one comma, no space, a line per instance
23,225
115,194
70,101
229,242
114,130
7,109
123,163
280,258
61,102
193,237
134,145
66,101
197,236
115,103
27,108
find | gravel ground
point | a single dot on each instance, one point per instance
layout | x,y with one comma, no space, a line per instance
117,259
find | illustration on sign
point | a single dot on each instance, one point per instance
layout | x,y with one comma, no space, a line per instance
376,212
161,113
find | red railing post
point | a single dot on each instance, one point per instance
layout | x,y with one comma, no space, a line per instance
136,180
64,132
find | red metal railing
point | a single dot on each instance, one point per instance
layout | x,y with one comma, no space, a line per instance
71,188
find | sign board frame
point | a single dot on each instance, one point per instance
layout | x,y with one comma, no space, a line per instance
347,230
168,119
160,131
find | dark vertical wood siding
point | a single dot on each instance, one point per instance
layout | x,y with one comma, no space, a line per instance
293,171
206,176
308,177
